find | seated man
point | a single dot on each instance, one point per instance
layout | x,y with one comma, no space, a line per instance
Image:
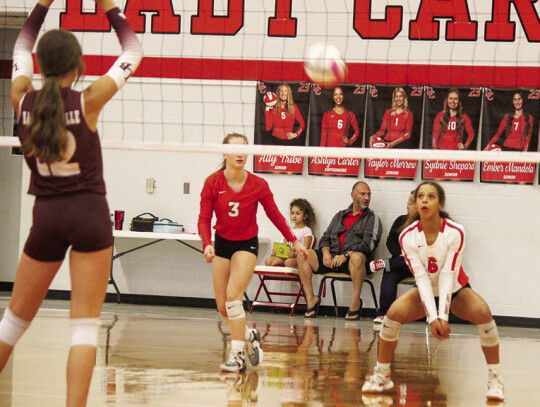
347,244
396,269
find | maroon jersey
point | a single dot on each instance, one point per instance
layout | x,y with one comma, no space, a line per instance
282,121
516,139
395,126
450,139
82,170
236,212
336,126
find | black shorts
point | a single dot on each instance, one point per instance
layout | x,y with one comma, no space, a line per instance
226,248
81,220
453,295
344,268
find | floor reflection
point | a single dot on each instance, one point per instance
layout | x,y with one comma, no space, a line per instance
161,360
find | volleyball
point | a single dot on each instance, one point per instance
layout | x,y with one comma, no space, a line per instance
494,147
378,142
325,65
270,99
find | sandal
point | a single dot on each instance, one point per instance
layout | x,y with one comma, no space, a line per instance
352,315
313,309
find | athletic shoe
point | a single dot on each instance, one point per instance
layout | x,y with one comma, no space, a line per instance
378,382
377,265
377,400
495,390
235,363
377,323
253,349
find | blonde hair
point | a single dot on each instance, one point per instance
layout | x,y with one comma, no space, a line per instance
289,103
405,101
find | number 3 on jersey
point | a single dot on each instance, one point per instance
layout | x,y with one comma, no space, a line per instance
233,213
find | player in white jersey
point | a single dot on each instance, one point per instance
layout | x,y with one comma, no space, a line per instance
433,247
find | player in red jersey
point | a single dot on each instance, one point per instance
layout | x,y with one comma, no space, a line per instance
233,194
516,126
433,247
281,118
338,123
58,133
397,122
451,125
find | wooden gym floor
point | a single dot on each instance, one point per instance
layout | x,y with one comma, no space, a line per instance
165,356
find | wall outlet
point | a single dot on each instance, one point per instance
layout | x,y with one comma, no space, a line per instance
186,188
150,185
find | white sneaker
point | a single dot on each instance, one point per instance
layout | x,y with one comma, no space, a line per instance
235,363
377,323
377,400
377,265
253,348
495,390
378,382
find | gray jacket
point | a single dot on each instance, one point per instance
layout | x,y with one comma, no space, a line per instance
363,236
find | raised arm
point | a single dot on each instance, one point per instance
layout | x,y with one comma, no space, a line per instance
104,88
23,66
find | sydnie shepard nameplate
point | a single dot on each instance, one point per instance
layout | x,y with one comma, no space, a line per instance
394,119
336,119
451,119
281,111
508,124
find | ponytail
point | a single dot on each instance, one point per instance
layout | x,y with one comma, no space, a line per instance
47,136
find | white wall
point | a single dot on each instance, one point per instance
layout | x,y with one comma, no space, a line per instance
502,221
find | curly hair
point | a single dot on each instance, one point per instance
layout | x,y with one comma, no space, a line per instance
306,208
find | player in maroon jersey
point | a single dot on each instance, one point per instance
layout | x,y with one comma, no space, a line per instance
338,123
516,127
451,125
58,133
233,194
397,122
281,117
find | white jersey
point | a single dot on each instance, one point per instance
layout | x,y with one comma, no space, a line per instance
302,233
436,268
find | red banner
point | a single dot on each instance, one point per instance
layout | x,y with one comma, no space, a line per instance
383,168
279,164
448,170
508,172
334,166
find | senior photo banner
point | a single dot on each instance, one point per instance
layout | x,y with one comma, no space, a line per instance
451,121
281,112
336,120
510,123
394,120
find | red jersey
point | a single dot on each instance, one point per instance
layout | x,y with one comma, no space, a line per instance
83,169
282,122
395,126
515,139
236,212
450,139
335,126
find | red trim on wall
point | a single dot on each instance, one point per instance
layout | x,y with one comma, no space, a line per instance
383,74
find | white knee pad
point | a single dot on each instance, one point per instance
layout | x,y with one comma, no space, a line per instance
235,309
12,327
84,331
390,330
489,336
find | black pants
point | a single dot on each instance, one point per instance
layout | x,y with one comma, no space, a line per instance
399,270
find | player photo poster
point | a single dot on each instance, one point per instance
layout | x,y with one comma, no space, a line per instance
394,120
281,120
451,119
336,120
509,123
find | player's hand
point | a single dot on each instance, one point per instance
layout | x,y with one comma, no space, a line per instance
371,141
292,254
273,253
290,136
300,249
446,328
437,330
345,140
268,108
327,259
209,253
461,146
338,260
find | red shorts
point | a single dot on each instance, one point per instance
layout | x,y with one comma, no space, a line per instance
80,220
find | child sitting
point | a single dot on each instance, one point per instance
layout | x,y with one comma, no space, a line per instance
302,219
